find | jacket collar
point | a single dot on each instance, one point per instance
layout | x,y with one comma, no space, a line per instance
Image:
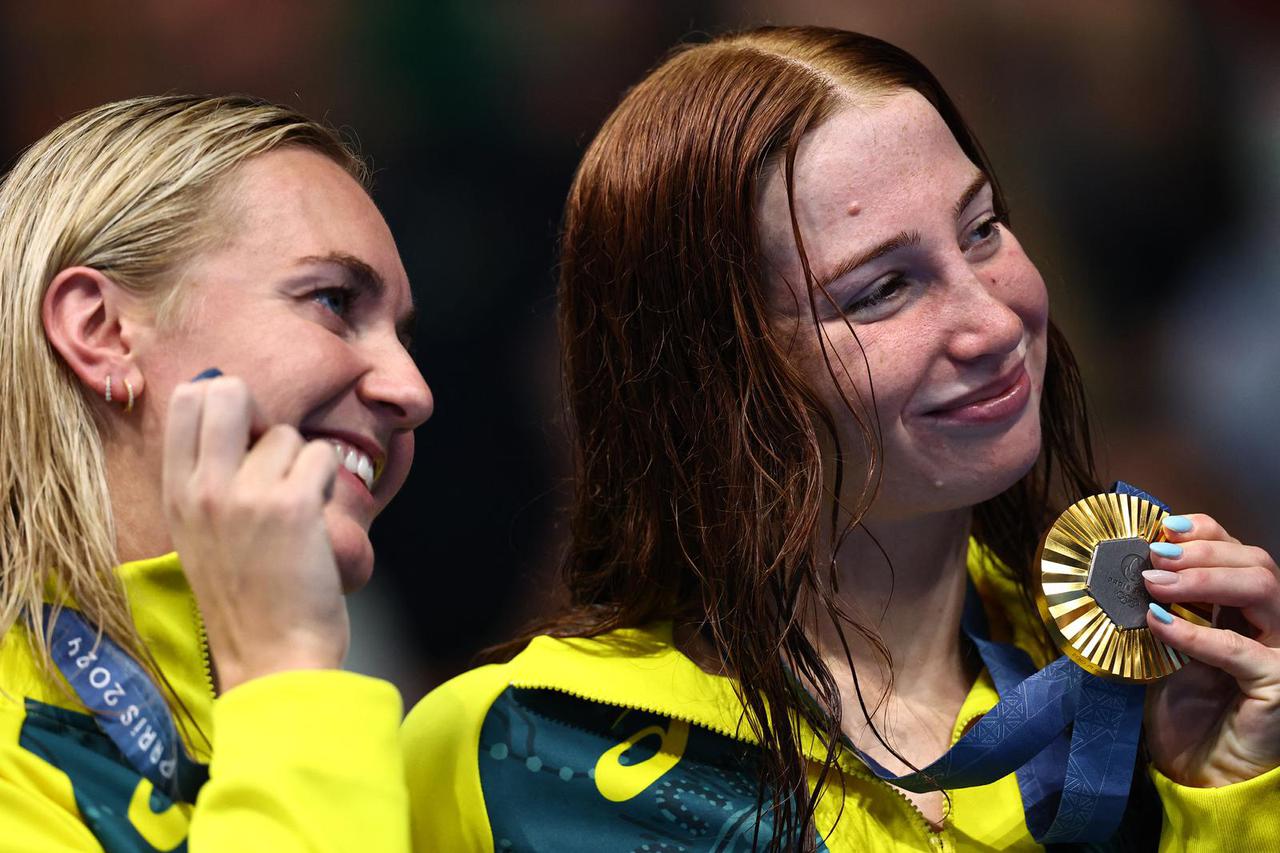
165,614
640,668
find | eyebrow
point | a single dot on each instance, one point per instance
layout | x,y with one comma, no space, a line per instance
365,279
976,186
902,239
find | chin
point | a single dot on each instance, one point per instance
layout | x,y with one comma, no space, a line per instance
1013,464
355,571
957,478
352,551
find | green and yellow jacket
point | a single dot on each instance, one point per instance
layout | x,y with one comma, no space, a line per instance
305,760
621,743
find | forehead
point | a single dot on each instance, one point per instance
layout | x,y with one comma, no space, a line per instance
867,170
294,203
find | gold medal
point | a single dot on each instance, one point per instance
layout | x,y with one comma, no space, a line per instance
1091,594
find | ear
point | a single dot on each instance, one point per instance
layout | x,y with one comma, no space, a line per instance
88,320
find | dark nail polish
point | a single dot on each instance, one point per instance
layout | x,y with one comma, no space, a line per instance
206,374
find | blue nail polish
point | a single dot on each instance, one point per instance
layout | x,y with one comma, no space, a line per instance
207,374
1166,549
1160,613
1177,523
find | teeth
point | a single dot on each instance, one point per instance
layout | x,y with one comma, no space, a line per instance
355,462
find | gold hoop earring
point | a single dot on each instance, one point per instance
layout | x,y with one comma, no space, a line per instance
128,407
108,392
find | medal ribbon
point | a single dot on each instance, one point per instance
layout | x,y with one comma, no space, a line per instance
125,703
1070,736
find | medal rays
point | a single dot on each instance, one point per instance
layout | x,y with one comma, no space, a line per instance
1080,626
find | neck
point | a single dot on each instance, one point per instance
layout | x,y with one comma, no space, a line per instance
141,529
904,580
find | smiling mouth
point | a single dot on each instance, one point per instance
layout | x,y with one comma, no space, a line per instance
989,405
356,461
992,391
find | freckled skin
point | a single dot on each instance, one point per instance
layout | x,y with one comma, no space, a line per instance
968,317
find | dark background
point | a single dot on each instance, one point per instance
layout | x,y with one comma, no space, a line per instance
1139,143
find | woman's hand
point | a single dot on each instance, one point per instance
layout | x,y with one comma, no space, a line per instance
1217,720
248,525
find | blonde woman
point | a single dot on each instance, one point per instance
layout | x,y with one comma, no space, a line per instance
148,704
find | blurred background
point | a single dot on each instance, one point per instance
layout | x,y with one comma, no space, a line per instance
1139,144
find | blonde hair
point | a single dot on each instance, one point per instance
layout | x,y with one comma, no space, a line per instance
129,189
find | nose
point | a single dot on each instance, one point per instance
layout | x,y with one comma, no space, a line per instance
985,324
395,385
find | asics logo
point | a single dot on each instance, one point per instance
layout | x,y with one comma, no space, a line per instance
618,782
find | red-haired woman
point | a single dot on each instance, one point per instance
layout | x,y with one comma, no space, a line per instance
818,405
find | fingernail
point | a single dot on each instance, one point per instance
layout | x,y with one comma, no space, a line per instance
1160,576
206,374
1166,549
1177,523
1160,613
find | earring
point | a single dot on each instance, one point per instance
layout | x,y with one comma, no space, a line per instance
108,393
128,407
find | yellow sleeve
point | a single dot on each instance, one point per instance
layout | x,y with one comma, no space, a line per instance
441,738
1239,817
304,760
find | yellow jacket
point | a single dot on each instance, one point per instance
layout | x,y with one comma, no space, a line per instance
623,743
305,760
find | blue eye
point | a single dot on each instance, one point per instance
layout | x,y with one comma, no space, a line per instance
336,299
986,231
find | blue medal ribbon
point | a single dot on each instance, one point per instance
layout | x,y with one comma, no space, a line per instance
1070,736
126,704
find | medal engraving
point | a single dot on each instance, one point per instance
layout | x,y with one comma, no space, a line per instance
1115,580
1091,594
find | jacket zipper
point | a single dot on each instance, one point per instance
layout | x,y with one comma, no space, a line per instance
860,771
926,828
205,658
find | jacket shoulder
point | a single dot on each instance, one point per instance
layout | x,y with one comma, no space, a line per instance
441,742
458,705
